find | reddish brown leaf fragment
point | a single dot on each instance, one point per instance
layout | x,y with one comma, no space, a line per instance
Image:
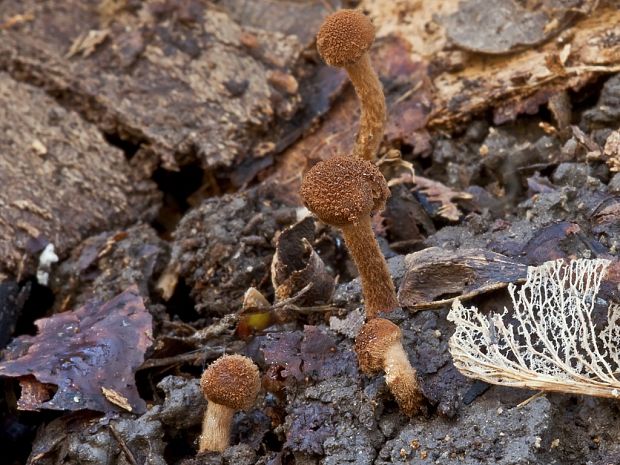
80,352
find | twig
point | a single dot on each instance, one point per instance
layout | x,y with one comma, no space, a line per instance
124,448
216,329
530,399
313,309
194,355
290,300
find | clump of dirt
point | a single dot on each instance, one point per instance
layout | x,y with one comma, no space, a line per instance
226,245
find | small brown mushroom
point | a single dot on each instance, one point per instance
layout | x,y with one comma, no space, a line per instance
342,192
343,41
379,347
230,383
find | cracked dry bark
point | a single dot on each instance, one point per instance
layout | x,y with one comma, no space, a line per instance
61,181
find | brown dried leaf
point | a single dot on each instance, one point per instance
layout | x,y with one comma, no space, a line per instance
81,352
606,218
295,264
547,243
435,277
438,192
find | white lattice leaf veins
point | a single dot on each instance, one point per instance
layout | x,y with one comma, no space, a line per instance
551,340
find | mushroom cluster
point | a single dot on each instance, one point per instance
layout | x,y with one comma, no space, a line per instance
344,191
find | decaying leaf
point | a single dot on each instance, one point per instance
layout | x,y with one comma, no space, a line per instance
551,340
295,265
81,352
311,354
548,243
438,192
436,277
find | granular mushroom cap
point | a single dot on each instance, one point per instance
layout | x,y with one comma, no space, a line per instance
342,189
232,381
344,37
373,340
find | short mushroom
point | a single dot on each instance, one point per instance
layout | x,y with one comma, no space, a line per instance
230,383
343,192
379,348
343,41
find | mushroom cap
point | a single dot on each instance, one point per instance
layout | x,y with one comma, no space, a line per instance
343,189
232,381
373,341
344,37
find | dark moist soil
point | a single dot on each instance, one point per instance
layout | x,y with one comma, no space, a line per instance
141,177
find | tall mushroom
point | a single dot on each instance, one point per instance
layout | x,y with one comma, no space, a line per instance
343,41
230,383
342,192
379,348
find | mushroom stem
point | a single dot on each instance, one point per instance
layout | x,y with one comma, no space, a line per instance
379,347
401,377
216,428
377,285
372,102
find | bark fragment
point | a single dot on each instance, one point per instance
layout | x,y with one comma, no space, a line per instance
60,180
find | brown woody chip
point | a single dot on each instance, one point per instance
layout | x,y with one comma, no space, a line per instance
435,277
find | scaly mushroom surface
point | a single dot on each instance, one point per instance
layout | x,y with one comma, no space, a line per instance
343,41
379,348
230,383
343,192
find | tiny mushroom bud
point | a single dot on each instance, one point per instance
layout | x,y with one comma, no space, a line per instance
379,348
342,192
230,383
343,41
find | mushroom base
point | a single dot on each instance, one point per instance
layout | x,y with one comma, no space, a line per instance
402,380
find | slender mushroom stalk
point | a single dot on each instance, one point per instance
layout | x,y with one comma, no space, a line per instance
342,192
379,348
230,383
343,41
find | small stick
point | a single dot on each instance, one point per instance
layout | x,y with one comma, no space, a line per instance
531,398
124,448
